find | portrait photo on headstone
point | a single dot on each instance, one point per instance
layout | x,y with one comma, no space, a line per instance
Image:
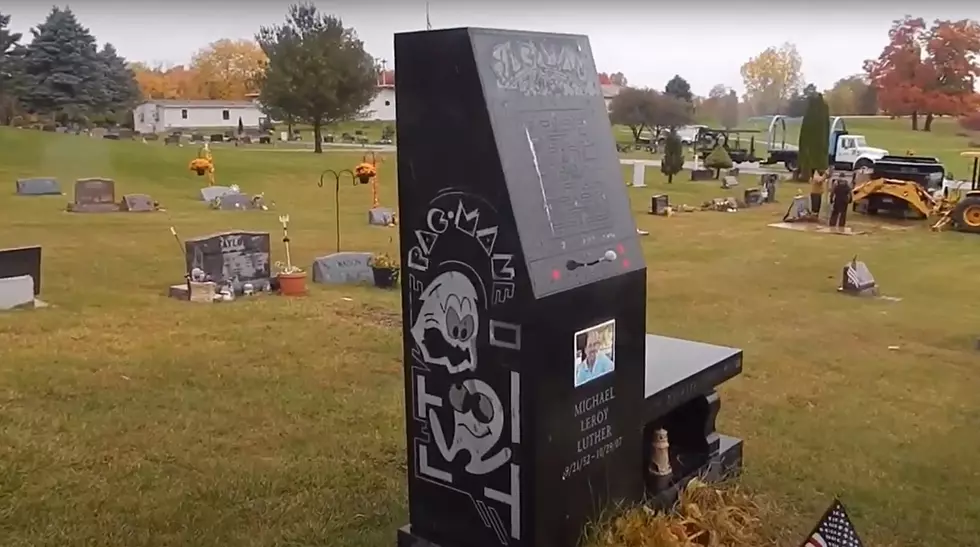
595,352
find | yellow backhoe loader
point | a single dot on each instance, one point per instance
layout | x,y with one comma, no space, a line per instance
959,205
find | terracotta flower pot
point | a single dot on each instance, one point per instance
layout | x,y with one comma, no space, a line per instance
293,284
385,278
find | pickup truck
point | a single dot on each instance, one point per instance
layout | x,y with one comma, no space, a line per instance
847,152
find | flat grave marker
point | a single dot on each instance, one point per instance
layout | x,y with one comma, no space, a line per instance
38,186
343,268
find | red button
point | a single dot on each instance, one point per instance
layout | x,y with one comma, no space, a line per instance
620,248
556,275
626,263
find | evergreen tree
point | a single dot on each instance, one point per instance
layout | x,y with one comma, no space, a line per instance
673,160
64,75
679,88
718,159
10,73
814,136
121,91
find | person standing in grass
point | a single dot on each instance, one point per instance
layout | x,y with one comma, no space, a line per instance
817,182
840,198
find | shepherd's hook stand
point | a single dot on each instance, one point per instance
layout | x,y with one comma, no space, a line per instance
336,178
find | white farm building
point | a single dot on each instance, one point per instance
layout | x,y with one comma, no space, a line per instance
166,115
382,106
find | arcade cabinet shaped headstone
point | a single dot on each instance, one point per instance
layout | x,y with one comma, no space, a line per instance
523,294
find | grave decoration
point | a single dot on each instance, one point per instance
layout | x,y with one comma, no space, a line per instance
533,395
237,263
203,164
38,186
292,279
20,278
384,270
367,172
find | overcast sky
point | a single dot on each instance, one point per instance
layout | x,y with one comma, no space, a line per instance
706,41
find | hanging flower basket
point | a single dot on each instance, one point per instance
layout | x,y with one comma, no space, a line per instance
200,166
364,172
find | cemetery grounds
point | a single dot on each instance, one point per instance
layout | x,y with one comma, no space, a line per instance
127,418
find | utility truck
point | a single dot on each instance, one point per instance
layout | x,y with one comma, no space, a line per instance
847,152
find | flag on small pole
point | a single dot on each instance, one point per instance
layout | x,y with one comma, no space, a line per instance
428,23
834,530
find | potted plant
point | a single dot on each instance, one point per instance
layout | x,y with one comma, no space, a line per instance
385,270
292,280
364,172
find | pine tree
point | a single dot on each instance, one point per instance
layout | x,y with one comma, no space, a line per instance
63,72
814,137
673,160
10,73
122,92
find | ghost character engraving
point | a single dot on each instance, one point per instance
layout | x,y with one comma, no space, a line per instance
478,420
448,322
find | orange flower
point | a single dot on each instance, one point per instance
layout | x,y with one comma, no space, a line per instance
200,166
365,170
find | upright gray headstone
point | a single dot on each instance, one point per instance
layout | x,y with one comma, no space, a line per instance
346,267
38,186
639,175
235,257
138,203
95,195
381,216
16,292
209,193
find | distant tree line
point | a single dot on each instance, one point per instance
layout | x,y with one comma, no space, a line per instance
62,75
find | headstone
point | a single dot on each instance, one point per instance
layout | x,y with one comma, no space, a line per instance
381,216
209,193
733,172
856,279
138,203
236,202
232,257
20,261
769,181
523,403
729,182
639,175
94,195
698,175
16,292
799,210
39,186
98,132
753,197
659,204
346,267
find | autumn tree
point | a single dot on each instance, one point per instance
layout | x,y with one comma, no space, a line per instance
228,69
157,82
673,161
633,108
900,73
952,48
679,88
772,77
317,71
618,78
852,96
814,136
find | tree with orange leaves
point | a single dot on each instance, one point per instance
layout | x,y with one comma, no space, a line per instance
228,69
176,82
926,71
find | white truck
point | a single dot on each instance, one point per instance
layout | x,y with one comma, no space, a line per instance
847,152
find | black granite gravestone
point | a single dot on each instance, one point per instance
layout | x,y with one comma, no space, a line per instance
20,261
235,257
524,303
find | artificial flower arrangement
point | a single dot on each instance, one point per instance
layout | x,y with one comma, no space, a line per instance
201,166
385,270
364,172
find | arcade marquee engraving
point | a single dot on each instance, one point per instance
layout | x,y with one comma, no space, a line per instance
466,404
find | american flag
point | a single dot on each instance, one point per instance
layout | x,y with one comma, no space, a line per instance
834,530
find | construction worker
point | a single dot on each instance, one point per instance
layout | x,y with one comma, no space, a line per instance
840,198
817,182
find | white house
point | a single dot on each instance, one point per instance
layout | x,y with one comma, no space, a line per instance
165,115
382,107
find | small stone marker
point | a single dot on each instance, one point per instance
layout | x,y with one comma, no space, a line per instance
94,195
233,257
698,175
236,202
209,193
381,216
728,181
345,267
659,204
639,175
20,261
38,186
138,203
752,197
16,292
856,279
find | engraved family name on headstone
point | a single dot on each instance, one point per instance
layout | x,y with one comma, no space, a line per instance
95,195
235,257
346,267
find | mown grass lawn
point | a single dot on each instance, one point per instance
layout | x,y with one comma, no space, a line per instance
128,419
